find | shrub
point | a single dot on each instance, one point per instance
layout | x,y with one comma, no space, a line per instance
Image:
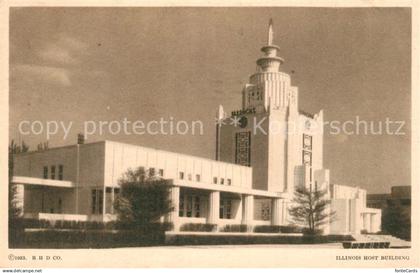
310,232
363,231
246,238
30,223
198,227
150,227
267,229
86,239
110,225
143,199
235,228
95,225
278,229
44,223
86,225
58,224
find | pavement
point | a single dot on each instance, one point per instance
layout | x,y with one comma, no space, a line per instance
256,246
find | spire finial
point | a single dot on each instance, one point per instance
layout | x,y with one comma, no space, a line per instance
270,32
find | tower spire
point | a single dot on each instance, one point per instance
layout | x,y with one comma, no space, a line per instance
270,62
270,32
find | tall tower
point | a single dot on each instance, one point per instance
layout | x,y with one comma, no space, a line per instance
271,130
268,86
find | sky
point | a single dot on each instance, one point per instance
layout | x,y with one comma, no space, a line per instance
104,64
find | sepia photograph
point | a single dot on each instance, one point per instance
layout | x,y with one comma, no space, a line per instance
209,129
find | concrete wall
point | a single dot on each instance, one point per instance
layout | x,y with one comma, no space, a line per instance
259,147
32,164
347,192
120,157
100,165
341,225
91,175
82,164
352,215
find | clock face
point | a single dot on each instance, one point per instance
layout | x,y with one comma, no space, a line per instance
243,121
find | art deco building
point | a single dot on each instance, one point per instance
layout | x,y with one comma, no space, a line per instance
263,152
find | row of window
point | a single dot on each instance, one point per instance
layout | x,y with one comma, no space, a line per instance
152,172
97,198
198,179
189,206
222,181
97,201
225,209
182,177
53,174
307,150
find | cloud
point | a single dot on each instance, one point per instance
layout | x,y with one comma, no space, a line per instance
54,75
64,50
58,61
57,54
71,43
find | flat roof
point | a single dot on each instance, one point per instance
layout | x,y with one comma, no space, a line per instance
42,182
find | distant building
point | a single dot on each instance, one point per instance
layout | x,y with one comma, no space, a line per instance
252,180
399,196
396,210
351,203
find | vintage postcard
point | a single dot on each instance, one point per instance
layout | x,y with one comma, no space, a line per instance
199,134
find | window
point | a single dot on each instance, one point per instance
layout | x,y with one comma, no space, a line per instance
222,181
100,200
161,172
97,201
94,202
116,193
243,148
181,175
52,172
197,177
307,142
215,180
228,209
60,172
197,206
60,205
307,158
229,181
108,200
265,211
189,206
45,172
181,206
225,211
152,172
307,150
189,177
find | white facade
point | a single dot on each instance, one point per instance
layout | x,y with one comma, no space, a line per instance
273,149
353,216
